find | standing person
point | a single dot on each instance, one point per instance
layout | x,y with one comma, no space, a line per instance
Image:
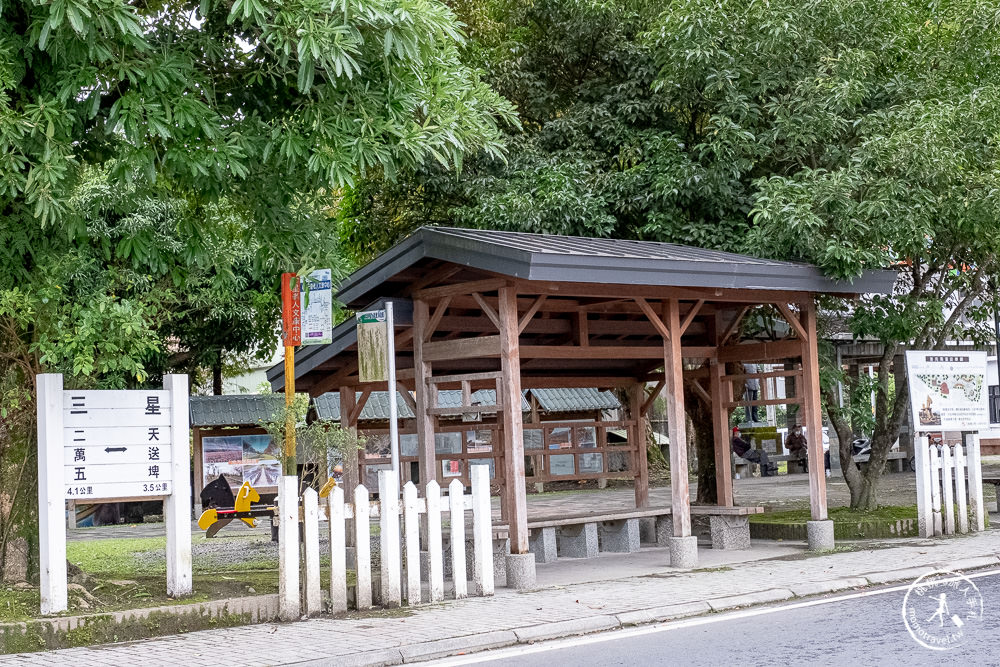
743,449
752,392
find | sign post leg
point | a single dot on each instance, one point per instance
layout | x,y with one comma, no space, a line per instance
51,503
177,506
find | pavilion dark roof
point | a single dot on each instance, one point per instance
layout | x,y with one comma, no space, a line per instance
546,257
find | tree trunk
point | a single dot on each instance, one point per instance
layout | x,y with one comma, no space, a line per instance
700,416
217,375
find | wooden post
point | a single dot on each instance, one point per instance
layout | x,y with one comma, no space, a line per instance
637,437
422,371
720,434
674,374
352,478
513,442
813,416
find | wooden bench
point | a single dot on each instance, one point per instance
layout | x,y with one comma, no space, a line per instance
587,534
745,468
995,481
898,460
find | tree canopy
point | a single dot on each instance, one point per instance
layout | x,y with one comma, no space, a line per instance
161,163
850,134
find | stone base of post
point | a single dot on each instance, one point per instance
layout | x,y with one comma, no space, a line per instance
819,534
521,571
684,552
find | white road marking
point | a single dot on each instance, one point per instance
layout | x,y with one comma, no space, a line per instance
667,626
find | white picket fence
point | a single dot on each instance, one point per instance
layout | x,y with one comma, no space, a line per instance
400,548
949,483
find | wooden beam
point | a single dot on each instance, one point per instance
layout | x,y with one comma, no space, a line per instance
691,315
523,322
813,413
699,391
352,417
637,438
609,352
407,396
334,380
782,349
652,396
488,285
423,394
733,326
673,365
487,309
653,317
435,319
513,440
761,376
762,402
720,435
582,331
793,321
462,348
464,377
611,290
347,403
437,275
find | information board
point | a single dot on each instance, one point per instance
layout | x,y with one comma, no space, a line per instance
317,308
947,390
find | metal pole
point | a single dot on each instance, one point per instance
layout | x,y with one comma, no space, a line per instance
393,419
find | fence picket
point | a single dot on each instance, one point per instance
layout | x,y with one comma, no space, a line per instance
482,543
436,565
961,466
975,466
411,533
338,551
925,518
310,533
388,492
948,488
935,461
362,533
455,492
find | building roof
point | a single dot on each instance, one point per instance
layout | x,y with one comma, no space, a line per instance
550,400
571,400
591,260
236,409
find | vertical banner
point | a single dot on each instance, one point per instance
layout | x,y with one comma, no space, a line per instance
373,346
291,310
316,293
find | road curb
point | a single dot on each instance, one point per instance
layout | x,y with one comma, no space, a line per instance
750,599
575,626
665,613
808,588
441,648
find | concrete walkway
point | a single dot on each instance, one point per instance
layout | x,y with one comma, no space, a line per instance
626,593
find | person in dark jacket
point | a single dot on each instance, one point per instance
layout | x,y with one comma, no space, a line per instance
745,451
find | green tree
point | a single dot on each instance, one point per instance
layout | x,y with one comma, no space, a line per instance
160,162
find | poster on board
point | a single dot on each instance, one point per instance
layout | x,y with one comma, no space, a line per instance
947,390
317,307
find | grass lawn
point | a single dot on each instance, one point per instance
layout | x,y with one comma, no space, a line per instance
840,515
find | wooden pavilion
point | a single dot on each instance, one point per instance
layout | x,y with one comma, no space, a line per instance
508,311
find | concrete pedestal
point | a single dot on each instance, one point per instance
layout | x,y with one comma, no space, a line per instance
730,532
521,571
578,541
684,552
542,543
664,530
619,536
819,534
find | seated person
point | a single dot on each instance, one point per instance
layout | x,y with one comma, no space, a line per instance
798,447
744,450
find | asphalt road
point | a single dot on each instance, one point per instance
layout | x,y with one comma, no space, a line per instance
840,630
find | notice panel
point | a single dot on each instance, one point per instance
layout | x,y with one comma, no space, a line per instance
114,436
948,390
151,400
81,490
91,455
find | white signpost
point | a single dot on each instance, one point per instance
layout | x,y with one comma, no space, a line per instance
111,446
949,404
